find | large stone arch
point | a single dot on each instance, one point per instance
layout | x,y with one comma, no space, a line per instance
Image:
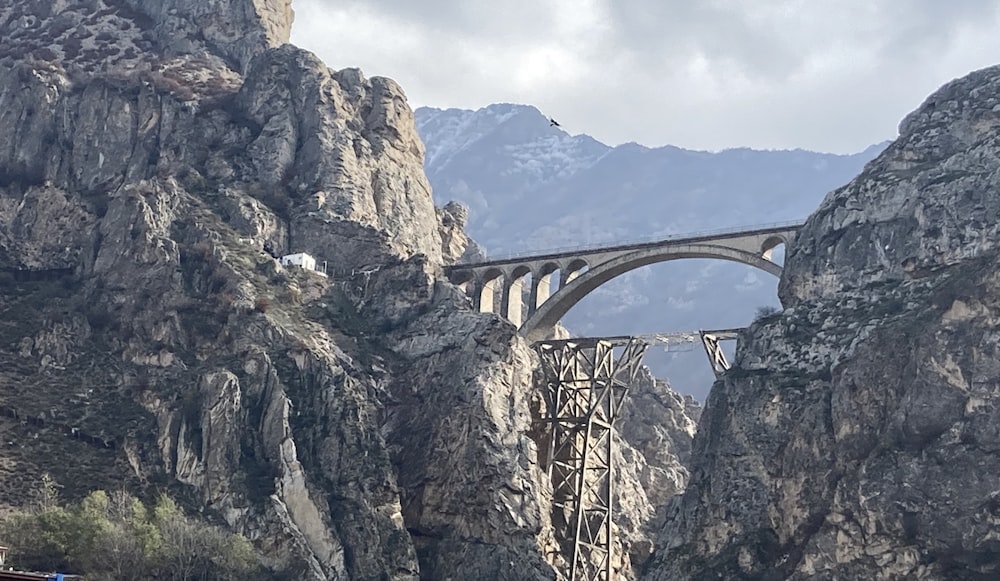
540,323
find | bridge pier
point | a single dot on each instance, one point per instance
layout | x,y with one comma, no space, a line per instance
512,303
586,381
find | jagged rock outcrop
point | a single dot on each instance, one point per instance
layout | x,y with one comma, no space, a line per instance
473,495
345,150
857,435
456,244
237,30
362,425
105,34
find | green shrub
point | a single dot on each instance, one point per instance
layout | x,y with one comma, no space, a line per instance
116,537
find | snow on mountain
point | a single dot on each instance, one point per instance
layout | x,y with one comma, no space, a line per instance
531,187
455,129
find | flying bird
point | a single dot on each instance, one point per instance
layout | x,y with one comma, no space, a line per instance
553,123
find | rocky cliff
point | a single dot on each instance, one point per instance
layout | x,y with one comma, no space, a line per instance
362,425
857,436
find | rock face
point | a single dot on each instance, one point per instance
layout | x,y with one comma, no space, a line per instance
237,30
857,436
456,244
656,429
362,425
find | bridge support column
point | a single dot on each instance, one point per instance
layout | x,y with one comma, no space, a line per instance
586,384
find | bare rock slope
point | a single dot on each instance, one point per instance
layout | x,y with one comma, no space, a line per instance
365,425
858,435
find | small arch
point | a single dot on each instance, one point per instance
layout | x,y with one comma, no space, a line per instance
574,269
464,280
541,286
513,307
489,290
460,277
767,248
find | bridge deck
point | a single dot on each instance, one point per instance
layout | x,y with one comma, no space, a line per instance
672,337
678,240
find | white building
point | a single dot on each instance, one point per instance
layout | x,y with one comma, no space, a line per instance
301,260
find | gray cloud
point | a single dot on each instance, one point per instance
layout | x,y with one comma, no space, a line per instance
677,30
832,75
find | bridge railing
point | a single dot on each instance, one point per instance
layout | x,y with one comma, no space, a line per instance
597,246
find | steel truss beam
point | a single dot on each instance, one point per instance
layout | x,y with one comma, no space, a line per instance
712,340
586,384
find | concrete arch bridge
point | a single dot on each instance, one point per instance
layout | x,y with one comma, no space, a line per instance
560,279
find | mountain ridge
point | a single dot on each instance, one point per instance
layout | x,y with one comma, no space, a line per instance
427,113
527,146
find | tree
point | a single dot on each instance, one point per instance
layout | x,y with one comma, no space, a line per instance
182,548
195,550
39,539
116,537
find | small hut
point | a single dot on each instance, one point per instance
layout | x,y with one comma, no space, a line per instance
303,261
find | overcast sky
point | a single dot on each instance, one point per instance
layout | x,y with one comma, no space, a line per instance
827,75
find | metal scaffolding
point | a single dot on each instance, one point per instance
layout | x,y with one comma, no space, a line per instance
586,383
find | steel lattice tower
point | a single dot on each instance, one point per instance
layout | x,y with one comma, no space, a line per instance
586,383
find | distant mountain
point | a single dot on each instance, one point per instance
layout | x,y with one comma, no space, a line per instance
531,187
